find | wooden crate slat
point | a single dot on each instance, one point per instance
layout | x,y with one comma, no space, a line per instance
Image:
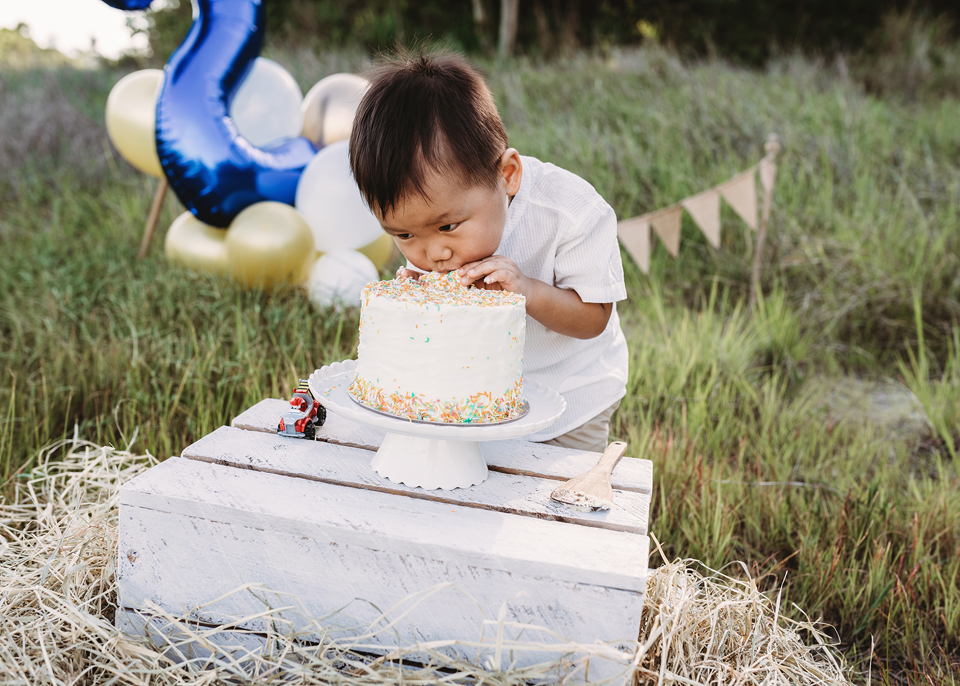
314,577
142,626
509,493
511,456
462,537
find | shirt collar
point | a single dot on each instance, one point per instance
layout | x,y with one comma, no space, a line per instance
518,204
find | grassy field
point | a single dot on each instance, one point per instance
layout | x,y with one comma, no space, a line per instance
858,521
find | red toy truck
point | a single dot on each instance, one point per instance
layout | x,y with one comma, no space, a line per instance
304,416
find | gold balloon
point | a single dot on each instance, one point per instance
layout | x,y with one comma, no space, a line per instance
131,119
380,251
196,245
268,244
329,107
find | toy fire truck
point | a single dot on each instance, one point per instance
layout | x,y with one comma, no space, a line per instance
304,416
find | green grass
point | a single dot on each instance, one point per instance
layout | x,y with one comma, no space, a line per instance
858,524
93,337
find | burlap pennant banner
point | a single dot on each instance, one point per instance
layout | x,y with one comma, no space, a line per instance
705,210
666,224
740,193
635,236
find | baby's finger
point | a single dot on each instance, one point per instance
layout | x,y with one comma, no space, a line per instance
487,263
470,265
505,277
475,271
472,281
490,265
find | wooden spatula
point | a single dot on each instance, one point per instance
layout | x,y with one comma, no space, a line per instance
591,491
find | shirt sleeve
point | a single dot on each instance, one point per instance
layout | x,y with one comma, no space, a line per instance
588,258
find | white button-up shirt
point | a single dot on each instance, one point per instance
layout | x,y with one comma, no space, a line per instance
560,231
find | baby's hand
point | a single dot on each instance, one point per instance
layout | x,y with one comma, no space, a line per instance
495,273
404,273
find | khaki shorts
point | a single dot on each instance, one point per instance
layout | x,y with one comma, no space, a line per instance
593,435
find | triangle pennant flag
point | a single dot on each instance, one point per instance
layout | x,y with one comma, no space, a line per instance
705,210
768,174
666,223
635,236
740,193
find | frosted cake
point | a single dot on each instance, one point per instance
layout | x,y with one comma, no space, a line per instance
433,350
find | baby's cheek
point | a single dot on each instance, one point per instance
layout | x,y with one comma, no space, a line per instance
414,257
487,247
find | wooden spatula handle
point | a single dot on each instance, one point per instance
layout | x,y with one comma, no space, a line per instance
611,456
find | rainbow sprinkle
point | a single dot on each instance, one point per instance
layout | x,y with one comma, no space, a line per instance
439,289
480,408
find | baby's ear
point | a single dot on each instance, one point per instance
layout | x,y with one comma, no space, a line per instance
511,170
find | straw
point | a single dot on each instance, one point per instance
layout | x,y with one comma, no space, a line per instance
58,536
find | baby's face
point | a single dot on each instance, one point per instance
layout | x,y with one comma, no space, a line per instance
453,225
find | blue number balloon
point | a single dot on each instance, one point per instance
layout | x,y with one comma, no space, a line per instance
129,4
215,171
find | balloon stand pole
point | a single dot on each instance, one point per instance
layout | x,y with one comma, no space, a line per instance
768,176
153,217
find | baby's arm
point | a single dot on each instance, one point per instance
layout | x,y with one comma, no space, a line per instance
558,309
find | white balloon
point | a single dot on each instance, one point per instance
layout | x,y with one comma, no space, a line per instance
329,107
328,198
338,278
266,107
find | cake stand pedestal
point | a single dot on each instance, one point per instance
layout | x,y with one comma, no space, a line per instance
425,454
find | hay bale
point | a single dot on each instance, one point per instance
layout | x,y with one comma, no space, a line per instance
58,599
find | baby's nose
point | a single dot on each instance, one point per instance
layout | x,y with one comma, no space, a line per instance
438,252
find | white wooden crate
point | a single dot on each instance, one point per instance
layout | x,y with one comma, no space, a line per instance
320,531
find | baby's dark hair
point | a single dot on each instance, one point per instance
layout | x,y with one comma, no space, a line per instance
424,111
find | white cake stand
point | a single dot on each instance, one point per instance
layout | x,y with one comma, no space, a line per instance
429,455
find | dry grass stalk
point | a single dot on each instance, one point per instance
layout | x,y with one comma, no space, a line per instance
720,630
58,599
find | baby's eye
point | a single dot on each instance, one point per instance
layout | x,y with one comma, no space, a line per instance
449,227
402,236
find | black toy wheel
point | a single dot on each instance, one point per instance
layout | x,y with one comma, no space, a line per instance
321,415
310,431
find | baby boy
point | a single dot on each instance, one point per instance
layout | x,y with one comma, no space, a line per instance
430,155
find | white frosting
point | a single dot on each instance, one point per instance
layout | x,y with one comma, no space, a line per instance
441,352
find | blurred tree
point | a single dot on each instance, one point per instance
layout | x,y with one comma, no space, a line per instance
741,30
481,23
377,24
19,51
509,14
557,28
165,27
